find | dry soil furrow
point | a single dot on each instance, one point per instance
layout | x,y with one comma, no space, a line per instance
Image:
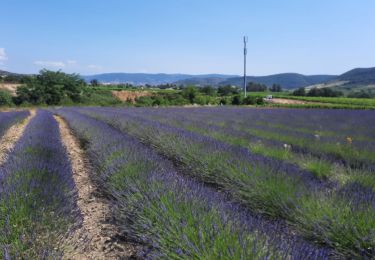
11,137
96,238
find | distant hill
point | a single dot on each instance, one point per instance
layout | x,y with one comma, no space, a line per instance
5,73
353,80
151,79
359,78
201,81
359,75
286,80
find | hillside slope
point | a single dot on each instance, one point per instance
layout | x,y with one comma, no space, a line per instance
286,80
354,80
5,73
146,78
359,75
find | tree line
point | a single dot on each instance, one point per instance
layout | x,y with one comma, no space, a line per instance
59,88
53,88
317,92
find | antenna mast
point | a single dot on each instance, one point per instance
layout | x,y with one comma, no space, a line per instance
244,63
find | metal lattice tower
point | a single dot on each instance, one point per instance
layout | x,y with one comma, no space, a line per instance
244,63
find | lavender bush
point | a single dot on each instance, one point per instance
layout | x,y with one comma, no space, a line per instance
7,119
270,187
37,194
172,215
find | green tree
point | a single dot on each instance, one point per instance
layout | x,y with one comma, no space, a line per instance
360,94
5,98
190,93
252,100
208,90
324,92
227,90
299,92
255,87
50,88
249,100
237,100
13,78
94,82
276,88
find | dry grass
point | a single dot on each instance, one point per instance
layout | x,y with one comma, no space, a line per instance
10,87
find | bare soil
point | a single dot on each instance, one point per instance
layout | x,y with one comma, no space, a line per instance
10,87
96,238
11,137
126,95
287,101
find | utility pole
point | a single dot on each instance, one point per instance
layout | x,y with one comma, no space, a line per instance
244,63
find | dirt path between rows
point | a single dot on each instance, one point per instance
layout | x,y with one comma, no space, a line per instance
96,238
11,136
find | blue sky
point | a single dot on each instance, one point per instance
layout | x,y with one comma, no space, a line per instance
187,36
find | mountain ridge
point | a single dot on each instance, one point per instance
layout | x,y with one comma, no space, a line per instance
286,80
352,79
5,73
360,75
148,78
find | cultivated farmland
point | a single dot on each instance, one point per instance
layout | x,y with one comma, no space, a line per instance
187,183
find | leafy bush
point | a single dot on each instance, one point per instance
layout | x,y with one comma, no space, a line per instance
204,100
190,93
50,88
324,92
252,100
15,78
95,97
249,100
360,94
255,87
208,90
94,83
144,101
175,99
299,92
276,88
227,90
237,100
224,101
162,99
5,98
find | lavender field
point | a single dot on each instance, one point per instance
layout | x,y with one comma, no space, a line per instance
187,183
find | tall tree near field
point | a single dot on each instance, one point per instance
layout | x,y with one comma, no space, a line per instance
94,82
50,88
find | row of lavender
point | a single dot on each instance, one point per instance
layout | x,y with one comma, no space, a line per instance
323,166
172,216
37,194
208,124
356,165
7,119
330,123
287,121
339,216
342,135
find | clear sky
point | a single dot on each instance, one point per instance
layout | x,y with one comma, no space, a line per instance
187,36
